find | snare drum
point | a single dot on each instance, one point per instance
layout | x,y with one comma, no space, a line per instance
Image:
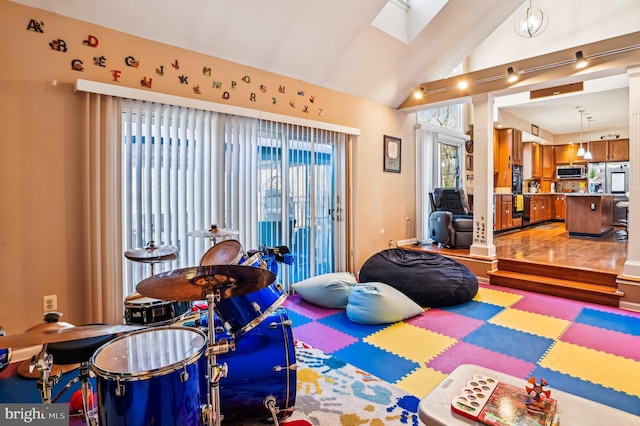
151,377
262,365
228,252
143,310
5,354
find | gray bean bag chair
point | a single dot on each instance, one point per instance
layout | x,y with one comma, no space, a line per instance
430,280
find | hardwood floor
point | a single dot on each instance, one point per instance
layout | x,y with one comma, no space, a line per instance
555,247
551,244
545,259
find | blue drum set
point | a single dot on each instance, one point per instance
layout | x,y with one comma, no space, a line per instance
186,369
200,345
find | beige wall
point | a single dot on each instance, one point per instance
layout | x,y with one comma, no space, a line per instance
41,235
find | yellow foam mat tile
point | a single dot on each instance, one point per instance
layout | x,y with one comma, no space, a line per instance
421,381
496,297
413,343
612,371
529,322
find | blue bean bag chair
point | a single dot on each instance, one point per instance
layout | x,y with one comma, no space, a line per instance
429,279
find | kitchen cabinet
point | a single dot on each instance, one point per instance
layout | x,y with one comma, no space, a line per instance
531,160
599,151
509,153
558,204
548,167
540,208
563,154
495,152
504,213
568,154
618,150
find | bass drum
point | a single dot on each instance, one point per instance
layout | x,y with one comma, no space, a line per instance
262,367
5,354
151,377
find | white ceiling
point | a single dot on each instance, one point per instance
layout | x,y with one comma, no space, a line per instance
605,100
331,43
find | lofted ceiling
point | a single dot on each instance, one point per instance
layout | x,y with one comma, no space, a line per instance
332,43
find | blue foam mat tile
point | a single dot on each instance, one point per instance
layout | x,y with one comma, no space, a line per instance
588,390
377,361
473,309
518,344
341,322
610,321
297,319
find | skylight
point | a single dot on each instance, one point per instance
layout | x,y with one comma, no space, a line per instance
404,19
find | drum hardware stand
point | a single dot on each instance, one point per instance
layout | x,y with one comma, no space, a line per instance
270,404
216,371
85,374
44,362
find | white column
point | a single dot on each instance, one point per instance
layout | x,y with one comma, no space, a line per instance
632,265
483,246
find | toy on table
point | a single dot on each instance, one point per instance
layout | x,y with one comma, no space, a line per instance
488,401
473,398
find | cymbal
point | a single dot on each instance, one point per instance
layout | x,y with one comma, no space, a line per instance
195,283
40,337
214,232
152,253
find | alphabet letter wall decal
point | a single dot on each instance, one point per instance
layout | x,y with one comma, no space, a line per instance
35,26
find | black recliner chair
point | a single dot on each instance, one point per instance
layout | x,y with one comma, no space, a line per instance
451,220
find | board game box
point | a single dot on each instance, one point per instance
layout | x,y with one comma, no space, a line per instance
494,403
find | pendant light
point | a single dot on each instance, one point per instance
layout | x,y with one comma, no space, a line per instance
531,22
588,155
581,152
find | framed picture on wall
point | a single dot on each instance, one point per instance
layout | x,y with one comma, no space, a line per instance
392,154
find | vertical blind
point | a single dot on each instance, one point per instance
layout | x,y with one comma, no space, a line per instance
185,169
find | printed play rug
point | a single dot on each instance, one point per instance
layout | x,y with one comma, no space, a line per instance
332,392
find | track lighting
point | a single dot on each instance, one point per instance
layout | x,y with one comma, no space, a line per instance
419,94
463,85
581,62
512,76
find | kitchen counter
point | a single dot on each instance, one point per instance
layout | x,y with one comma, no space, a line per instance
589,214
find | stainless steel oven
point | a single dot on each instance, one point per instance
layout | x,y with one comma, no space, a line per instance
516,176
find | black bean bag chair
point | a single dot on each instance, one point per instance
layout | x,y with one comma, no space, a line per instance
430,280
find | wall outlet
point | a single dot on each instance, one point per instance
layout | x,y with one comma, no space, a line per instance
50,303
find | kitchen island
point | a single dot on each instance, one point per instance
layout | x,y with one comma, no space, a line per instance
589,214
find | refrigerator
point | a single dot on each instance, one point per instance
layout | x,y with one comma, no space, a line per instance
617,183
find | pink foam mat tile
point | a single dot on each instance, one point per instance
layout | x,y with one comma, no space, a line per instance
298,305
551,306
446,323
466,353
325,338
600,339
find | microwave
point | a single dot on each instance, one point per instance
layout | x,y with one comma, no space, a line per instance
570,172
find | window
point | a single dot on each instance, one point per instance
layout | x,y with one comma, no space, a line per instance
450,162
186,169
